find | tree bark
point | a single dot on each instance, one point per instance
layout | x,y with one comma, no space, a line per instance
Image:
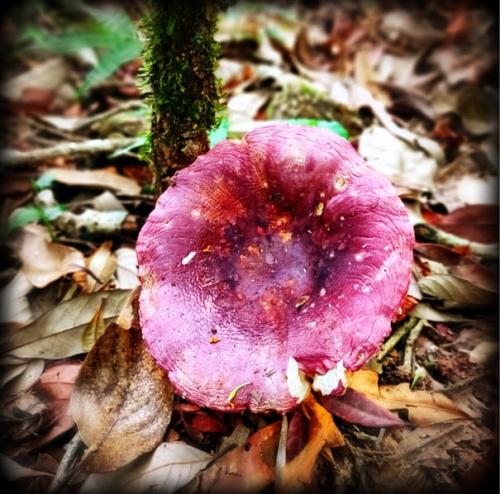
180,57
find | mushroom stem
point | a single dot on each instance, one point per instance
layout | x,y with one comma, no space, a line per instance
395,337
438,236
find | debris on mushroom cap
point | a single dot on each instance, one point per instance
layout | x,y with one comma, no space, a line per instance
289,252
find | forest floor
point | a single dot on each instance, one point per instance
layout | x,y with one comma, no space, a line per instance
415,90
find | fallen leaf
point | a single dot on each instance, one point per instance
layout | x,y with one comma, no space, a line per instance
126,269
91,222
102,264
357,408
94,329
249,468
296,437
423,407
476,274
322,432
475,222
48,76
45,261
484,352
59,332
15,305
95,178
203,422
26,379
14,471
425,311
168,468
398,160
447,287
122,402
57,384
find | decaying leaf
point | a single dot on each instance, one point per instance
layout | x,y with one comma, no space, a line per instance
322,432
447,287
102,264
14,302
59,332
126,269
95,178
29,375
248,468
357,408
423,407
122,402
45,261
94,329
168,468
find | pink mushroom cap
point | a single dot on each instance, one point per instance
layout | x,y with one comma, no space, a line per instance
282,249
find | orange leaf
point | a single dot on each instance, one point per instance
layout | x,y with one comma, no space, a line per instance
322,432
424,407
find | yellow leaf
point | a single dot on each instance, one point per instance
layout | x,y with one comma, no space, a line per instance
94,329
322,432
424,407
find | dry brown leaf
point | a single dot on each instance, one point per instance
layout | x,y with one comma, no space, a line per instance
58,332
94,329
248,468
122,402
102,264
45,261
96,178
322,432
424,407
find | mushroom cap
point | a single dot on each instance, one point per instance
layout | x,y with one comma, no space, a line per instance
273,258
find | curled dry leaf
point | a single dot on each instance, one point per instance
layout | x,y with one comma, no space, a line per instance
126,269
14,302
423,407
95,178
248,468
122,402
322,432
45,261
59,332
168,468
29,375
102,264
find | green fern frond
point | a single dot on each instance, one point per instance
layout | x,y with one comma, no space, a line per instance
110,32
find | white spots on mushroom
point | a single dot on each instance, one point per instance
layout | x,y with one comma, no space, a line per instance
342,218
269,259
359,256
298,386
331,255
365,289
196,213
387,247
322,292
186,260
330,381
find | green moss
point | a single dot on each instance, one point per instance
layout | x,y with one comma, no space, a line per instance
180,58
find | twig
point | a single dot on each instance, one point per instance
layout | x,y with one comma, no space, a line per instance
408,361
395,337
121,107
11,157
281,455
68,464
438,236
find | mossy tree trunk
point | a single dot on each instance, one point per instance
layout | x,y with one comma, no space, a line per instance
180,57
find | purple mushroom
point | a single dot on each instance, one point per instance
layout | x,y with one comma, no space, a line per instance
272,265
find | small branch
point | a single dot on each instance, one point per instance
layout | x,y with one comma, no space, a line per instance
395,337
10,157
408,362
438,236
68,464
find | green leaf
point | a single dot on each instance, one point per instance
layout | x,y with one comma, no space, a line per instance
332,126
24,216
220,133
44,181
109,62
